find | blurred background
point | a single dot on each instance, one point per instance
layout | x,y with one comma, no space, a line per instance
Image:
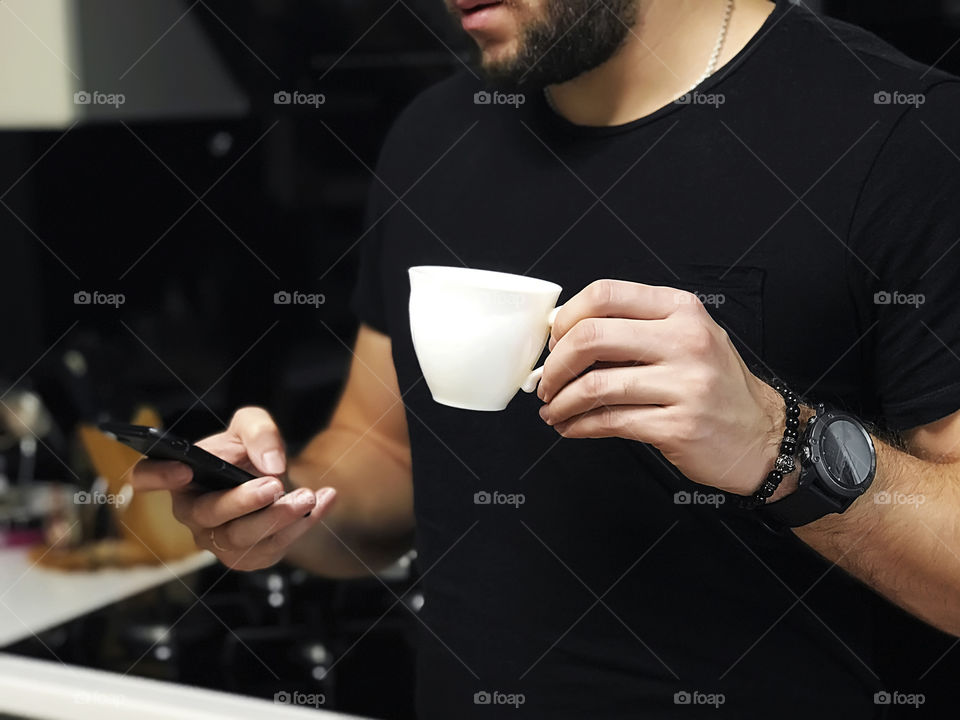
169,169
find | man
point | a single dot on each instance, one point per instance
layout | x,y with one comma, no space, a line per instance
730,193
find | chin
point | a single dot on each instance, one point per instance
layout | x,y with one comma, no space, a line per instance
495,57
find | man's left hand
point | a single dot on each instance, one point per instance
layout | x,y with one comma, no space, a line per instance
649,364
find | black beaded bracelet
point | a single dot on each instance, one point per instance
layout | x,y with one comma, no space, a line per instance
785,462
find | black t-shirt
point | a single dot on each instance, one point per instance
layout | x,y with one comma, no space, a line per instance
814,184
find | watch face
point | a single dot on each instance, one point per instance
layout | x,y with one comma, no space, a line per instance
846,453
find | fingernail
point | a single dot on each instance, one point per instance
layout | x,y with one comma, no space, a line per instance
268,482
270,488
324,495
302,497
273,462
545,415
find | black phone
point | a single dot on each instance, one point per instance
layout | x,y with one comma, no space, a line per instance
209,471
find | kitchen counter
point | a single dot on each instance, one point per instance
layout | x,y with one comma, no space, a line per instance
45,690
34,599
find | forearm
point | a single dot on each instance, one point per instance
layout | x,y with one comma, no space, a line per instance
370,523
907,549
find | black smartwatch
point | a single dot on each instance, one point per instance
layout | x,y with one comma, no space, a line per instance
838,462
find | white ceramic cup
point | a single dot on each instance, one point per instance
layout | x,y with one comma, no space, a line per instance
478,333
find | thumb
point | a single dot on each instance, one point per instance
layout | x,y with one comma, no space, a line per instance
261,439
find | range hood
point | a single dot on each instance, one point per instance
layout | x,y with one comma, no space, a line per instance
102,61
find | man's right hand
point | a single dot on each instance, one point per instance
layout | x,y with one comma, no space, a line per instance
251,526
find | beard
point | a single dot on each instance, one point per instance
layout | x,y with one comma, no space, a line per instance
573,37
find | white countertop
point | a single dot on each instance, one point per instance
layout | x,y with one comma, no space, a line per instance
43,690
34,599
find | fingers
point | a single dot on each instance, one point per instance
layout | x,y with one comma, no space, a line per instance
641,423
608,340
247,531
281,540
160,475
615,298
628,385
216,508
227,446
252,441
273,541
260,436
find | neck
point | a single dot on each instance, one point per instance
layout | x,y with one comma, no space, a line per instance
667,51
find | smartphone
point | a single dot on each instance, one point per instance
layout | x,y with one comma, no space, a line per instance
209,471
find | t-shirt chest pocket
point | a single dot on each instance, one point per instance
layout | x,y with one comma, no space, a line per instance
732,296
734,299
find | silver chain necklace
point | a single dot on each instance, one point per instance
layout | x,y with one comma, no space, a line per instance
711,65
718,48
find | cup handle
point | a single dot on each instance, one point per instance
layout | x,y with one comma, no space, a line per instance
533,379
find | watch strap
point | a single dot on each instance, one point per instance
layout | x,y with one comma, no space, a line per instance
803,506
